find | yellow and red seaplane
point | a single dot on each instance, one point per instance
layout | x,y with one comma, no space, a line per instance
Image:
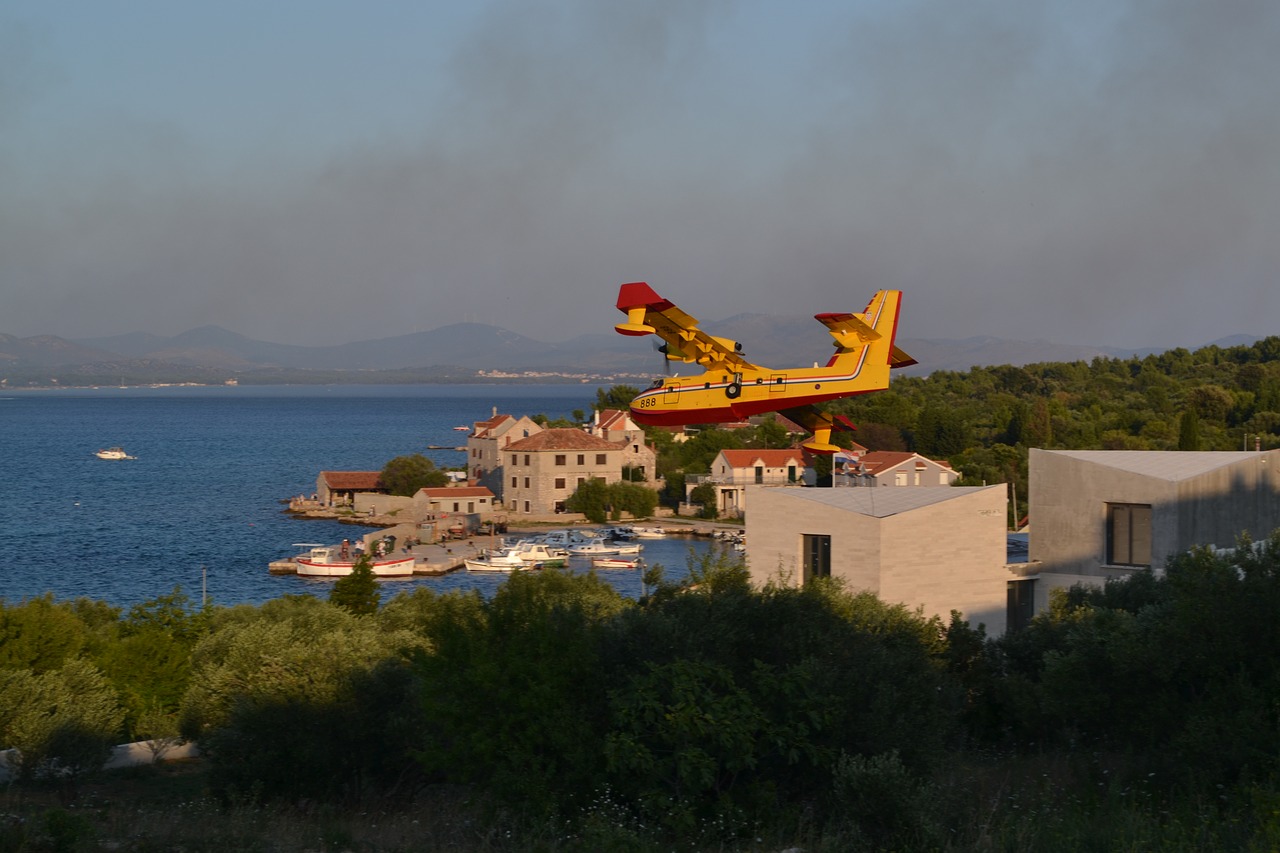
732,388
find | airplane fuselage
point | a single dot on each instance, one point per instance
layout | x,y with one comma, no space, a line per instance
720,396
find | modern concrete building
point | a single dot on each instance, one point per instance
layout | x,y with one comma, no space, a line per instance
543,470
1097,514
940,548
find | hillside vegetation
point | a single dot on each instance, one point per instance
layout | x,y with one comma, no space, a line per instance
560,716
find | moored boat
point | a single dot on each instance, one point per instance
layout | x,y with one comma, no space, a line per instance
327,562
112,453
616,562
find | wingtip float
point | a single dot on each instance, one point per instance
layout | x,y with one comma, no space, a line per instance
732,388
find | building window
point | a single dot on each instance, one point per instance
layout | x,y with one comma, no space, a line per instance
581,480
602,459
1129,534
471,506
513,482
526,506
582,459
559,482
526,460
513,459
791,473
817,556
455,506
561,459
526,482
1021,604
759,474
900,478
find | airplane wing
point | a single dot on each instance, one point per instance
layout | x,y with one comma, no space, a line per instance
650,314
855,330
812,418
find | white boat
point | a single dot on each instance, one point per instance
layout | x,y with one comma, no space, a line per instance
648,532
594,548
522,555
327,562
616,562
506,560
113,453
462,429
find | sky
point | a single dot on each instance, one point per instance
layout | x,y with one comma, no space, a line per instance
1101,172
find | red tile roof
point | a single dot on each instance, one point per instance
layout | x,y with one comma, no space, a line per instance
449,492
561,439
770,458
882,460
363,481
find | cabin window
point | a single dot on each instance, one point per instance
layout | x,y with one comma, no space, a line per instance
602,459
559,482
817,556
1129,534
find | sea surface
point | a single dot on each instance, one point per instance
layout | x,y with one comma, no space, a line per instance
202,504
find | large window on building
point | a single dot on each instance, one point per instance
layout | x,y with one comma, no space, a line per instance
1129,534
817,556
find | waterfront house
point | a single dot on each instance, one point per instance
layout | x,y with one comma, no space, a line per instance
543,470
1098,514
932,547
339,488
733,470
453,499
892,468
486,442
616,426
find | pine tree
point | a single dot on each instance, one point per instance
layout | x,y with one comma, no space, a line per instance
357,592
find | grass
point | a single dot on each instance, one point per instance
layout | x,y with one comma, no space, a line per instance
1042,804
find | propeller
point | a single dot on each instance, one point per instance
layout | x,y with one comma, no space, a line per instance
666,360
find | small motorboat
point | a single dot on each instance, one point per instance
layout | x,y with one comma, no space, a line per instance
113,453
506,560
616,562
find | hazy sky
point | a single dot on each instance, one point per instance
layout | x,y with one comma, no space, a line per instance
315,171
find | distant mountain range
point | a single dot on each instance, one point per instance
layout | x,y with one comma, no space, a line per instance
456,353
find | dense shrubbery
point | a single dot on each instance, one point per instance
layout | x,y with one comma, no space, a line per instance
1144,711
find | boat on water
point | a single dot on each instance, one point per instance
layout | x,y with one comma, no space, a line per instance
113,453
648,532
327,562
616,562
522,555
462,429
603,548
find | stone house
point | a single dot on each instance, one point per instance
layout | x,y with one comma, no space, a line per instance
894,468
543,470
339,488
939,548
487,440
614,425
475,500
732,471
1098,514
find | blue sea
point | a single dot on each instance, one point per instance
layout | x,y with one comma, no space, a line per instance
201,506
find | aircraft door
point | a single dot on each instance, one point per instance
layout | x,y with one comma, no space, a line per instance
777,383
671,395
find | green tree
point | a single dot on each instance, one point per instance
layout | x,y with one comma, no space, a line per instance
592,498
617,397
705,494
405,475
357,592
62,721
1188,431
